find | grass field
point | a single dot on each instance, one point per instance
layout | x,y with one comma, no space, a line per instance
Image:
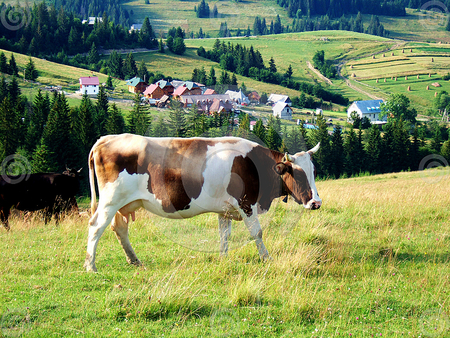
374,260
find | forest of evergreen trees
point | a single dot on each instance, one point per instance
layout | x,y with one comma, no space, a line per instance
56,33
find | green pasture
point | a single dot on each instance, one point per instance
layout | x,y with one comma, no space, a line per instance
165,14
374,260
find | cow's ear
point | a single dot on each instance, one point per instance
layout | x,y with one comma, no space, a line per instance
280,168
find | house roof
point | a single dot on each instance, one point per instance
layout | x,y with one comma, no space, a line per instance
150,89
209,91
199,98
239,96
369,106
181,90
189,85
89,80
163,84
220,106
134,81
136,26
279,97
279,106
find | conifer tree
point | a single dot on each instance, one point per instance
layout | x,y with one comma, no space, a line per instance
13,69
373,150
87,134
211,77
101,112
30,71
10,126
43,160
142,71
129,67
160,128
93,57
177,121
139,119
3,63
322,157
115,123
260,132
337,153
38,118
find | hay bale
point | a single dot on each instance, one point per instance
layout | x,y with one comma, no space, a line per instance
406,78
384,79
418,76
409,88
373,56
377,80
428,87
432,59
393,54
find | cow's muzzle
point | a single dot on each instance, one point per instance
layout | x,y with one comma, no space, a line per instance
313,205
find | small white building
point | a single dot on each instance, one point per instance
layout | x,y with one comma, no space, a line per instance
282,110
89,85
91,20
238,97
368,108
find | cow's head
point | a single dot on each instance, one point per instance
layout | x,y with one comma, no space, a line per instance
298,175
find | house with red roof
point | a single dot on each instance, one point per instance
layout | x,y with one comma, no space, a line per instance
89,85
159,89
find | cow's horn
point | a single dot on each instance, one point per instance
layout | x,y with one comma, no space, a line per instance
287,158
314,150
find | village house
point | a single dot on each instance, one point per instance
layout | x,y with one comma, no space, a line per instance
135,27
274,98
187,88
208,103
282,110
254,97
238,97
91,20
209,91
158,89
136,85
368,108
89,85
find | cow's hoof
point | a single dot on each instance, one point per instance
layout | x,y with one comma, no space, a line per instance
136,262
90,267
267,258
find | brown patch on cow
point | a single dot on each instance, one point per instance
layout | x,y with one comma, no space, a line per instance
296,184
175,166
253,179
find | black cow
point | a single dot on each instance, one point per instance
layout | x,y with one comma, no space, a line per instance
51,192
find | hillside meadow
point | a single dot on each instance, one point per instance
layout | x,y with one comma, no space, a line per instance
373,261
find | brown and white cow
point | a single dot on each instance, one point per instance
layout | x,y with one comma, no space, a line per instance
181,178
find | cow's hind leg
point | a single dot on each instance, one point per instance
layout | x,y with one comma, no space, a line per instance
224,233
254,227
4,215
97,224
120,227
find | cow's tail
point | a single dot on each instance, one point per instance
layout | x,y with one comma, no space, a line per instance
92,183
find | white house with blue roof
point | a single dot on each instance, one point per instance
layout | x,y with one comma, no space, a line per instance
368,108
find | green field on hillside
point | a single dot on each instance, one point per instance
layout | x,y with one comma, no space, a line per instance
374,260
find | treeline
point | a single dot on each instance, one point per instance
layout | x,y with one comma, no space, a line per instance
337,8
204,11
324,66
46,31
84,8
304,24
249,62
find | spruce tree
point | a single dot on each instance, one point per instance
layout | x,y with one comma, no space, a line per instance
101,112
13,69
139,119
30,71
93,57
160,128
142,71
211,77
38,118
373,150
260,132
129,67
87,129
115,123
273,139
10,126
3,63
337,153
322,157
414,154
351,164
401,146
43,160
177,121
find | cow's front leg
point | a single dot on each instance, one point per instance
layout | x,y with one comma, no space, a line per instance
120,227
4,214
224,233
255,230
